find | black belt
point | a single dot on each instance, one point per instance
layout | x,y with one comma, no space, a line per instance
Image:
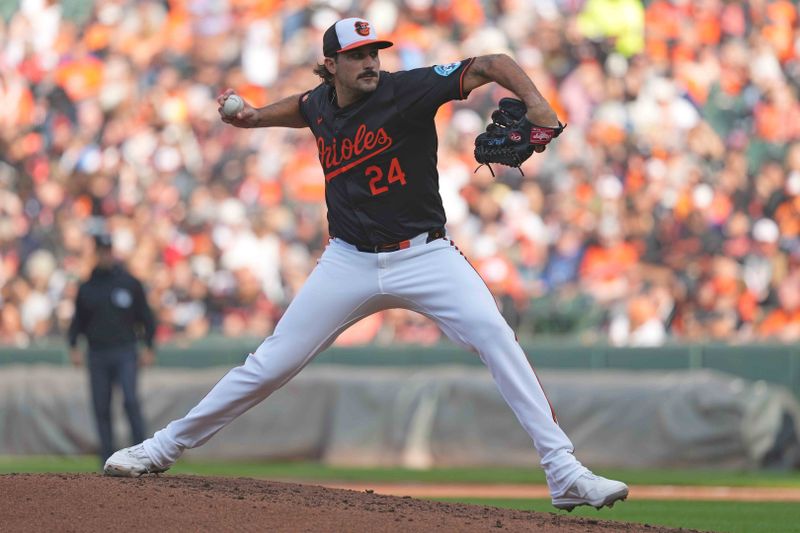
434,234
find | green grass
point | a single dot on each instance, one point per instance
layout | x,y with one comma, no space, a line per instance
44,463
728,517
315,471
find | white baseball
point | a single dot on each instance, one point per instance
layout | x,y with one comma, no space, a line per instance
232,105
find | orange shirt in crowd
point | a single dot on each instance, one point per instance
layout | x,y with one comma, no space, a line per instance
608,262
708,29
747,306
301,178
776,124
81,77
788,218
777,320
663,22
782,17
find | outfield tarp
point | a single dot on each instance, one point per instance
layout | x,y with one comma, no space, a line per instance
443,416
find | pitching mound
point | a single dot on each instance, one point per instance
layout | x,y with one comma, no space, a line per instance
91,502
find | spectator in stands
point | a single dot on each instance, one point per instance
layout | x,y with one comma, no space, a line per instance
783,322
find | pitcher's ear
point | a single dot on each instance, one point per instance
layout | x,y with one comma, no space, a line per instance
330,63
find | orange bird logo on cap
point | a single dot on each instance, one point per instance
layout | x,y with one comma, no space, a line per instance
362,28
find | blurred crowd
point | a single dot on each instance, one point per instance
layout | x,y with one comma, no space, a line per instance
668,211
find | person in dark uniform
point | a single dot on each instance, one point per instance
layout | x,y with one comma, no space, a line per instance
377,143
111,311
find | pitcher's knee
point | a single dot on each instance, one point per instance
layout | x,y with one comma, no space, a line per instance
268,370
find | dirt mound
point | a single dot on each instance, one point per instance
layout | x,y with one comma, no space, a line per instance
91,502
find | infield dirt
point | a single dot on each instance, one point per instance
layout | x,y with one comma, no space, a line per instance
92,502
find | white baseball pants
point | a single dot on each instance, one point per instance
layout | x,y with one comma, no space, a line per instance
430,278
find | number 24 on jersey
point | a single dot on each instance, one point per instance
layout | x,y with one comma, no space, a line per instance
377,184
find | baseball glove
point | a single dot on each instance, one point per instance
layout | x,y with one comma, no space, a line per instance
511,138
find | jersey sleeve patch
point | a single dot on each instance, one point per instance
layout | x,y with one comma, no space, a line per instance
446,70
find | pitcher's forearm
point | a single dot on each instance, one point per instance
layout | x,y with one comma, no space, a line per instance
501,69
285,112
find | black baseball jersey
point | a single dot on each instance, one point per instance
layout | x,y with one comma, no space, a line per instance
379,154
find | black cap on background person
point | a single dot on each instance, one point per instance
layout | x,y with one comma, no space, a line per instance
348,34
103,240
104,252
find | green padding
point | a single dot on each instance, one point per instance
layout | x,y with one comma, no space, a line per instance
564,356
773,363
770,363
666,358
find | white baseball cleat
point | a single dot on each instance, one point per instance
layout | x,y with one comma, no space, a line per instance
131,462
593,490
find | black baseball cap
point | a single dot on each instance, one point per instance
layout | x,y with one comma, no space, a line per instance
348,34
103,240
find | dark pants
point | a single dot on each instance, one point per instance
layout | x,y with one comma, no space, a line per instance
106,367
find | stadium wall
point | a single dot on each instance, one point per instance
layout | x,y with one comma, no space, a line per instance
422,417
778,364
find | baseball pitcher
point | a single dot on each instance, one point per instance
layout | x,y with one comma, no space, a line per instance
388,245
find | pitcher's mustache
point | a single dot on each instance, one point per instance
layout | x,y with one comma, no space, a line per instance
368,74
